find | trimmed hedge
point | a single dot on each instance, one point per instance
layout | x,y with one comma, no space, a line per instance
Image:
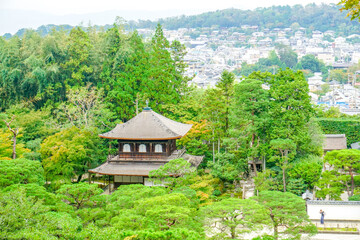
349,127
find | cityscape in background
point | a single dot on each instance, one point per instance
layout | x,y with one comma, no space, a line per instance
213,50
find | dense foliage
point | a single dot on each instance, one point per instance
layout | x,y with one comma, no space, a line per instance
82,211
349,127
43,71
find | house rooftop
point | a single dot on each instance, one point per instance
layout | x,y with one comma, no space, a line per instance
335,142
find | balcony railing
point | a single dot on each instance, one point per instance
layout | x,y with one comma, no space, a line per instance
137,156
152,156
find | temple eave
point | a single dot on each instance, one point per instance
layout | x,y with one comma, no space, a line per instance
126,169
141,139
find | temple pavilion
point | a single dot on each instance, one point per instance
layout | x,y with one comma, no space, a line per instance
145,143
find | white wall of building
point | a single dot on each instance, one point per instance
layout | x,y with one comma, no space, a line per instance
334,210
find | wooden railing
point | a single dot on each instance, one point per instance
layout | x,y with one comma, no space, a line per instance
136,156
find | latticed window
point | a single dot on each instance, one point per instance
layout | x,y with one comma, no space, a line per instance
142,148
126,148
158,148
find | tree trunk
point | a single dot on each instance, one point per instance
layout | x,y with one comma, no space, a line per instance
15,132
352,182
14,147
264,163
89,174
253,159
233,234
79,178
284,179
276,232
254,166
213,146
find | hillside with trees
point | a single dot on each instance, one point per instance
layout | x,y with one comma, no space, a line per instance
315,17
320,17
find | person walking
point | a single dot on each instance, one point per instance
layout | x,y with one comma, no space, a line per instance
322,215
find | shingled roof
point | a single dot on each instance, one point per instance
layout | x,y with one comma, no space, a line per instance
148,125
334,142
126,169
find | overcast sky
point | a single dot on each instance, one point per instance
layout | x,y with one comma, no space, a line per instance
16,14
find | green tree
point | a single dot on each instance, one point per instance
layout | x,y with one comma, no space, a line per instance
78,195
85,109
189,109
38,192
331,185
217,106
226,87
154,211
194,140
77,65
352,6
347,161
18,212
21,171
287,55
310,62
265,181
172,172
308,169
69,154
25,217
291,109
168,212
126,70
250,117
235,217
7,146
214,113
338,75
164,83
126,196
226,167
287,213
178,52
285,150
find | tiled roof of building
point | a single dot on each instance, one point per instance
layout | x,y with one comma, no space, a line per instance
148,125
126,169
334,142
132,168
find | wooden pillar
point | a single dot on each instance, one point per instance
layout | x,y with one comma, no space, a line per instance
168,147
109,185
119,147
151,150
